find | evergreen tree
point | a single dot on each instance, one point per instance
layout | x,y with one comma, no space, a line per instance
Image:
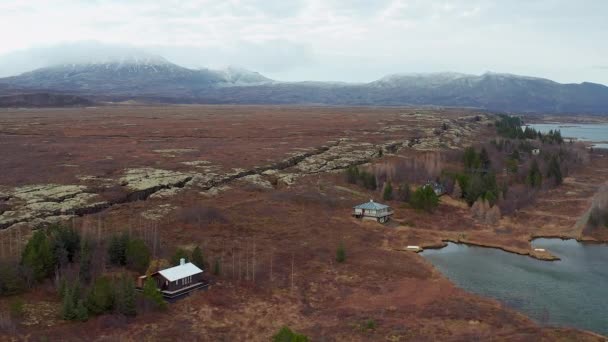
341,253
535,177
424,198
137,255
80,311
484,159
352,174
100,298
117,250
388,192
68,307
151,293
555,171
125,303
11,281
197,257
66,242
85,262
178,255
38,256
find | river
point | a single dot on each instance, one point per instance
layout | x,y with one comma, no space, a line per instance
570,292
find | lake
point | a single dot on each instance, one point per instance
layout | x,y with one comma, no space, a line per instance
570,292
597,133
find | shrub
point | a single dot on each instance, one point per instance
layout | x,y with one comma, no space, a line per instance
11,280
341,253
352,174
16,308
217,267
424,198
404,192
287,335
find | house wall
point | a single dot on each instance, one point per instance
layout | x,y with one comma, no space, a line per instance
166,285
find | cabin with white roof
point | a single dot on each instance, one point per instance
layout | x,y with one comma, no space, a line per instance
178,280
374,211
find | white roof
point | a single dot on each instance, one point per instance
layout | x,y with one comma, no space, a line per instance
180,271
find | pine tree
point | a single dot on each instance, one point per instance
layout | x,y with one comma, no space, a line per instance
126,297
555,171
178,255
151,293
197,257
535,177
137,255
101,296
117,250
68,308
388,192
80,311
85,262
38,256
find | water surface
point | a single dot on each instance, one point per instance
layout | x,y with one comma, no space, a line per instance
570,292
597,133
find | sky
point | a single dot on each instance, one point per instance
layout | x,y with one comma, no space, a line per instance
325,40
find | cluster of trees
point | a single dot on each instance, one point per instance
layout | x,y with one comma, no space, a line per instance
130,252
424,198
511,127
361,177
107,295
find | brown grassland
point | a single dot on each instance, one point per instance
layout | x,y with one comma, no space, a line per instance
277,245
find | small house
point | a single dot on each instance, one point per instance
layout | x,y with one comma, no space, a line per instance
373,211
178,280
438,188
535,151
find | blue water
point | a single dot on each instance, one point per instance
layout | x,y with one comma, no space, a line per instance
587,132
571,292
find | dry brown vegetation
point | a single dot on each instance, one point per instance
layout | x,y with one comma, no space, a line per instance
277,246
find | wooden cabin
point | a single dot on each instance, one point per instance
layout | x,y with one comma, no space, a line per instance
373,211
178,280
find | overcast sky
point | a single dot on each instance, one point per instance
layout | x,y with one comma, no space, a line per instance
357,40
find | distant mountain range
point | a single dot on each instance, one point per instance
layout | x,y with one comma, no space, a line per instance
152,78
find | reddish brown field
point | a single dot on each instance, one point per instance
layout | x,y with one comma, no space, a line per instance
277,246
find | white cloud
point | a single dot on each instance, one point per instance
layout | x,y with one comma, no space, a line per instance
356,40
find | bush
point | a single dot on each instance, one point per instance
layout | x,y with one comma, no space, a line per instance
424,198
16,308
217,267
287,335
352,174
341,253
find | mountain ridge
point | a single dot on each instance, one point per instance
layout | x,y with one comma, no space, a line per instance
153,77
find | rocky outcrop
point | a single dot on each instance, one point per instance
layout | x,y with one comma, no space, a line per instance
36,202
